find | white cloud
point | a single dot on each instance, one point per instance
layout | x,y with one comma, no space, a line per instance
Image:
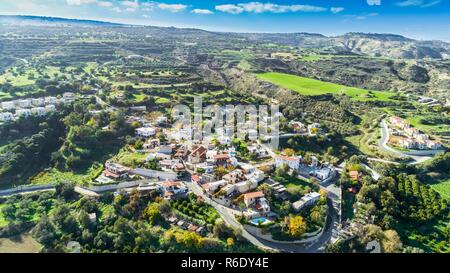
116,9
79,2
258,7
202,11
131,4
374,2
104,4
418,3
230,8
172,7
430,4
336,9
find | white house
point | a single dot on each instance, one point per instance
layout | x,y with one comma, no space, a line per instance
170,189
38,111
161,119
224,140
145,132
7,116
50,100
50,108
213,186
250,198
68,97
323,173
252,134
306,200
291,161
38,102
23,113
26,103
8,105
245,186
258,200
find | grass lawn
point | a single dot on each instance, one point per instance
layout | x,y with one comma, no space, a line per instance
416,122
161,100
55,176
311,87
442,188
130,159
3,221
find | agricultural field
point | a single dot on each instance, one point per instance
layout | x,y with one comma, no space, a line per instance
19,244
311,87
442,187
3,221
54,176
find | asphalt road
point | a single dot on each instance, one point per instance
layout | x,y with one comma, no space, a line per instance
383,145
228,216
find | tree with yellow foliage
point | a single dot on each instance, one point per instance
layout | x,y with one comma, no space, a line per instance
288,152
230,242
297,226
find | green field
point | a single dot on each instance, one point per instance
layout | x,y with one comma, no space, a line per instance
3,221
443,188
311,87
54,176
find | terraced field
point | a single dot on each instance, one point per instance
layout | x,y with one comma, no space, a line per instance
311,87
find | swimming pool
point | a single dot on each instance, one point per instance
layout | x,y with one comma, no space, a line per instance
260,220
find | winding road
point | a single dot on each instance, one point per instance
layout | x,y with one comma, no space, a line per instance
383,145
228,216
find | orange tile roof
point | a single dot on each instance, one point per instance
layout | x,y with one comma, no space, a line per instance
256,194
288,158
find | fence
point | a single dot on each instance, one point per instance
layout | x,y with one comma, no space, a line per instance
24,189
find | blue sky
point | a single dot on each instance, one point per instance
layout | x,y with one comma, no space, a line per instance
420,19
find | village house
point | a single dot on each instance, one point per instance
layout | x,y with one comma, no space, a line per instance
222,160
23,113
161,120
198,155
38,102
258,201
197,179
307,200
151,144
8,105
115,170
234,176
38,111
292,162
50,108
211,187
145,132
68,97
224,140
171,189
25,103
6,117
257,150
398,122
50,100
298,127
322,173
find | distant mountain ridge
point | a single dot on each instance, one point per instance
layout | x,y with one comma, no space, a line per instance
372,44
